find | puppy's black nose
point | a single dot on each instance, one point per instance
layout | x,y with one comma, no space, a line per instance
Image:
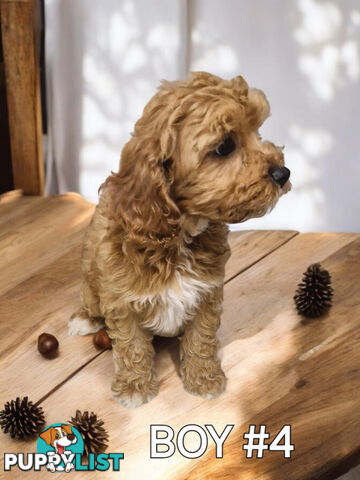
70,436
280,175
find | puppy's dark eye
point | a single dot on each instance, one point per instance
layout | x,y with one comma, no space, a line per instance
226,148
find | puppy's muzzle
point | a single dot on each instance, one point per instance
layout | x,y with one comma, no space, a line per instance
280,175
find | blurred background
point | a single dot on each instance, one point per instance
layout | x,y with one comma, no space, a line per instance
104,61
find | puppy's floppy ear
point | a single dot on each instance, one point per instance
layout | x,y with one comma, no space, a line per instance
139,196
47,435
258,107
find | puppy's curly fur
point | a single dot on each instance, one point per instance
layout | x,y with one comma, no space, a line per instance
154,253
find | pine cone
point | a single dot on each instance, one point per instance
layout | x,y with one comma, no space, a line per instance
92,431
21,418
314,293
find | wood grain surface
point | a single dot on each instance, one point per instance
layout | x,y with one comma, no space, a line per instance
252,247
320,399
280,370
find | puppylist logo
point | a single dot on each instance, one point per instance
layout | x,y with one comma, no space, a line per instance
60,448
60,442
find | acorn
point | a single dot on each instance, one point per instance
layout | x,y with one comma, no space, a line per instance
101,340
48,345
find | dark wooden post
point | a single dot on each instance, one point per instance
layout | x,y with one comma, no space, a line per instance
21,68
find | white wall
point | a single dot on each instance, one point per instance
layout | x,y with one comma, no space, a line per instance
103,63
305,55
105,60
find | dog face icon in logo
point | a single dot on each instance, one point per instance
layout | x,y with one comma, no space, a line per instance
60,442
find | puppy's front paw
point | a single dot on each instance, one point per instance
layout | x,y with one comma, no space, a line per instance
133,395
204,378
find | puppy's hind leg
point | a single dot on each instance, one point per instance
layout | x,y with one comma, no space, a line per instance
88,318
81,323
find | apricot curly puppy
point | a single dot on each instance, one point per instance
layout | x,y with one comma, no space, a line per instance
154,254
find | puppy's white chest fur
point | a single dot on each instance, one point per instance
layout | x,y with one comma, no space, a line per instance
175,303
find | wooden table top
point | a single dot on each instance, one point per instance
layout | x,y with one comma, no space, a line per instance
281,371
